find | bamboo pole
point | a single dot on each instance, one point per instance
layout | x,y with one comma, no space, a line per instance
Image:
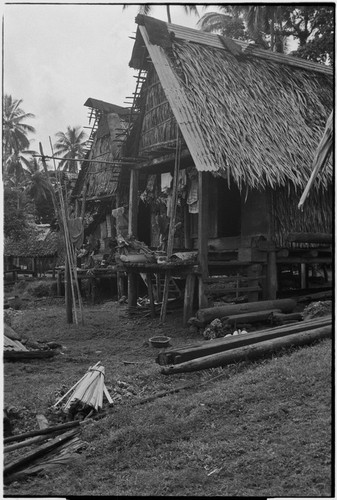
68,283
113,162
70,258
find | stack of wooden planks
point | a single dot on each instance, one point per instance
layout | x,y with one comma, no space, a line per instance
89,390
248,346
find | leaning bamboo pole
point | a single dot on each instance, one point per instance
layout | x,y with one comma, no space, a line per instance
323,151
67,244
71,259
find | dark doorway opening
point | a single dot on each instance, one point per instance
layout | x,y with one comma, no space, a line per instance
144,222
229,209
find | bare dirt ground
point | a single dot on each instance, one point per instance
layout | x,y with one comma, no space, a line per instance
261,429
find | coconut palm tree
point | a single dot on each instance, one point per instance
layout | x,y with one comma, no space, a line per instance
260,20
70,145
15,166
15,130
36,185
16,156
146,9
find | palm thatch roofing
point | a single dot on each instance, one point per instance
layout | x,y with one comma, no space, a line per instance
106,107
246,114
35,242
102,179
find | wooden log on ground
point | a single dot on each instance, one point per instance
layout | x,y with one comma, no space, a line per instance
315,296
28,355
250,352
310,237
24,460
27,442
175,356
250,317
280,317
39,432
208,314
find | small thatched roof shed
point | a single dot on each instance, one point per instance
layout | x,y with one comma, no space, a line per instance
37,241
246,114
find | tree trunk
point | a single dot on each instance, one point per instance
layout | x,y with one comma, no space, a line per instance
168,13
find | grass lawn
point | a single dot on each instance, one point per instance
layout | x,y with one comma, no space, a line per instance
261,429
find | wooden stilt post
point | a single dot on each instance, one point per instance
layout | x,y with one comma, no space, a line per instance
188,298
59,283
150,291
120,285
303,275
272,275
132,290
253,271
187,228
68,293
133,203
203,235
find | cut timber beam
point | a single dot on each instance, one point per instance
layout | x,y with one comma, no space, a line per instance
250,352
251,317
207,315
175,356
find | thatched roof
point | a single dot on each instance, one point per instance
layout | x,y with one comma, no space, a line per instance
102,179
246,113
106,107
35,242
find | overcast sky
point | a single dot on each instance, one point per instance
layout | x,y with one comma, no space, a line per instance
57,56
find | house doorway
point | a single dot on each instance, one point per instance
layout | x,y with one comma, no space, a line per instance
228,209
144,222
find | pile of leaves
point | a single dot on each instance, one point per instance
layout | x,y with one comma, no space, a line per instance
317,309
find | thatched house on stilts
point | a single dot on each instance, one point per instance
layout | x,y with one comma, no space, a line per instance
101,187
102,184
245,124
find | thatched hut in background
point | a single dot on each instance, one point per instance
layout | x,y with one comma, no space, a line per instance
249,121
101,185
35,252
